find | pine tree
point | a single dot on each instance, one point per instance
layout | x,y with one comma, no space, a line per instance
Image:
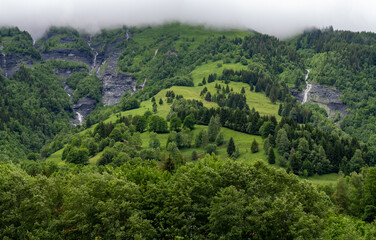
194,155
155,107
271,156
242,91
231,147
254,146
214,127
282,141
160,101
208,97
169,164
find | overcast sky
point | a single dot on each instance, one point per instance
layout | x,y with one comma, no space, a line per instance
280,18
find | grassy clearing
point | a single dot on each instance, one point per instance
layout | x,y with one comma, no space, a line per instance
326,179
242,141
56,157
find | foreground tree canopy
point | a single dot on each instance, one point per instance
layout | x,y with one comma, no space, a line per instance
210,198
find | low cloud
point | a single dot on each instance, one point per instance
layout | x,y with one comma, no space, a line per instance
274,17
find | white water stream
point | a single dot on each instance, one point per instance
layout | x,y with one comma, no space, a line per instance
95,55
80,118
308,88
126,35
4,65
99,69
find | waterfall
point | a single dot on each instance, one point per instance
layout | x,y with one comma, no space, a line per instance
80,118
4,65
126,35
143,85
308,88
99,69
95,55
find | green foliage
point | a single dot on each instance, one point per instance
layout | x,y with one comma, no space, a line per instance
34,109
230,147
271,156
282,142
350,55
189,122
157,124
254,146
211,148
232,200
108,156
18,42
52,39
175,124
220,139
214,128
89,86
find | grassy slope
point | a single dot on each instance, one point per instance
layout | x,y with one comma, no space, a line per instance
325,179
257,100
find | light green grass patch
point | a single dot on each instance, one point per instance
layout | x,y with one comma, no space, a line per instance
326,179
56,157
94,159
242,141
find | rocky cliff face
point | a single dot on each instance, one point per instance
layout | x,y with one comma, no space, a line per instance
326,97
102,60
10,63
84,106
69,54
115,84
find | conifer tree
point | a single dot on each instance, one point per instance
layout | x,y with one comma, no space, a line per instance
271,156
231,147
254,146
242,91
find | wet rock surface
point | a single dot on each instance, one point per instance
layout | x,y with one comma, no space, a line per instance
115,84
84,106
81,109
326,97
10,63
102,61
69,54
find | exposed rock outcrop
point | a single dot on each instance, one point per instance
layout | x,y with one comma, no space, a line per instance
69,54
10,63
326,97
115,83
82,108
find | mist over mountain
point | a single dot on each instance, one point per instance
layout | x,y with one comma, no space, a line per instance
278,18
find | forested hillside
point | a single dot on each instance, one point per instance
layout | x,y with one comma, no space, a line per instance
186,132
347,61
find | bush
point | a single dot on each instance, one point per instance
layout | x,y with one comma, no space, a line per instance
211,148
254,146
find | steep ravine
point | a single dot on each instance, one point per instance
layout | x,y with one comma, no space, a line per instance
102,61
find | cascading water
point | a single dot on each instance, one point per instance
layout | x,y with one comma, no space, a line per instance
95,55
80,118
126,35
99,69
308,88
4,65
